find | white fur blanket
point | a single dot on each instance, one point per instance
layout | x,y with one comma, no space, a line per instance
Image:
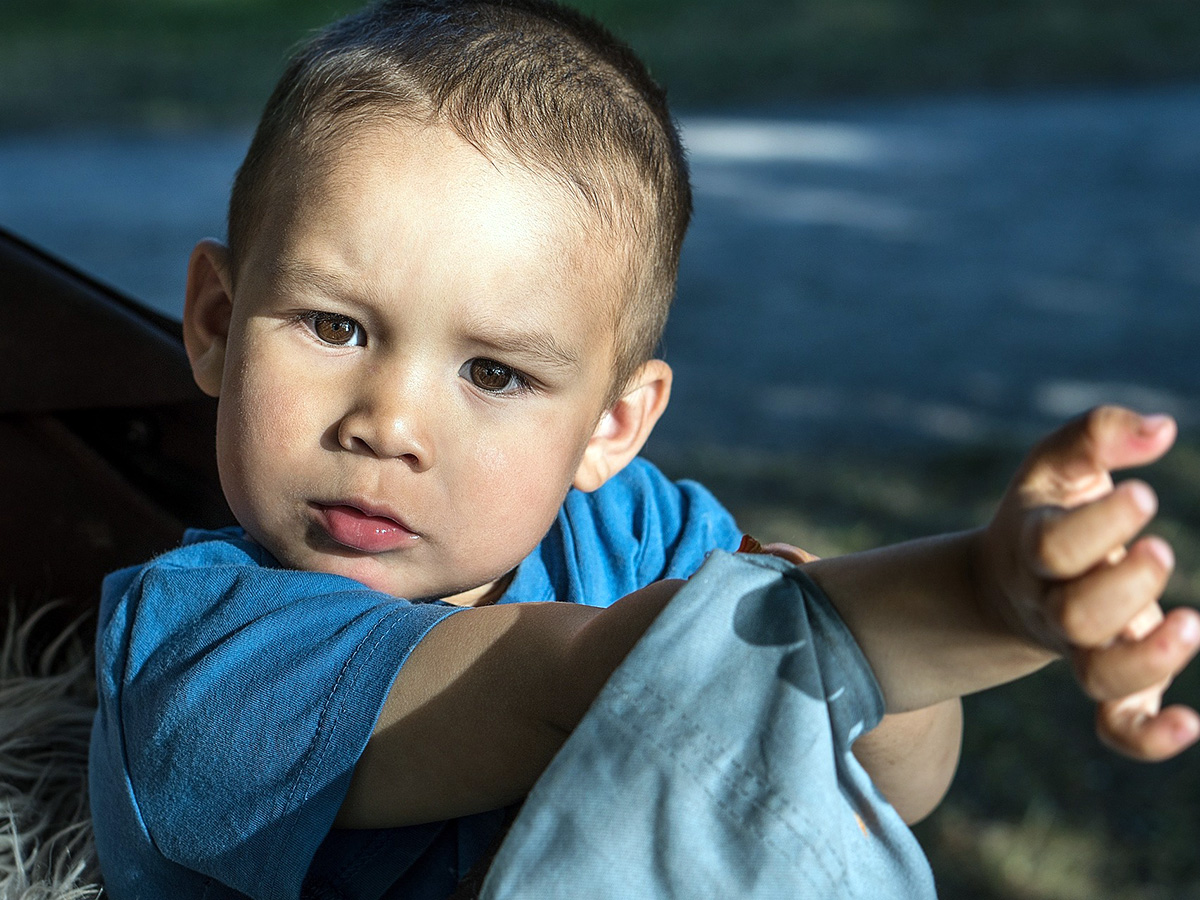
46,706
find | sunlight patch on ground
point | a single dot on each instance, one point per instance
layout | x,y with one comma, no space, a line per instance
766,140
765,198
948,421
738,161
1038,857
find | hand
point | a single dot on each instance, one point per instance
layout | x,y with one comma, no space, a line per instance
1062,565
790,553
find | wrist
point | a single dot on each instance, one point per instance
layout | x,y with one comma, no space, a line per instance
1007,611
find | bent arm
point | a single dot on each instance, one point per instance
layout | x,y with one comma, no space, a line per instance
485,701
490,694
912,757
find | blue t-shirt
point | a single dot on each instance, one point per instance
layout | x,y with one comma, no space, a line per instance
236,696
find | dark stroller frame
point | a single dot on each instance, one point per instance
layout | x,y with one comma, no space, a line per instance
106,444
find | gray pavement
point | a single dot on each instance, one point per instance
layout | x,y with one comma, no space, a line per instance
876,276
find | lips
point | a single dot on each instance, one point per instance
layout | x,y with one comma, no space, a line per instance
363,530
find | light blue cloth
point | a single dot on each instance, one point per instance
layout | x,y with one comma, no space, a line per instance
716,762
235,698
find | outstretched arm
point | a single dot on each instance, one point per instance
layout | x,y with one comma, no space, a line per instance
1058,572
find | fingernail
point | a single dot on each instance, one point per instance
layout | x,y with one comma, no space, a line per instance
1162,551
1151,425
1185,732
1143,496
1189,630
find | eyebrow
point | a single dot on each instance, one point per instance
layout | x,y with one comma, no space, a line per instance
494,335
541,346
294,274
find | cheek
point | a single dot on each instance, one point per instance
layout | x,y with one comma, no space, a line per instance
262,424
511,476
528,475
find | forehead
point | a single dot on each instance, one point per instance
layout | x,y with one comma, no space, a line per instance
400,200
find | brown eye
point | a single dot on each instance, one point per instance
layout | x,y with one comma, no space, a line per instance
340,331
493,377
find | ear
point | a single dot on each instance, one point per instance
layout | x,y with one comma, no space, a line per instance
624,428
207,310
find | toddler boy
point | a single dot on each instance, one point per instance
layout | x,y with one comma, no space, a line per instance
451,250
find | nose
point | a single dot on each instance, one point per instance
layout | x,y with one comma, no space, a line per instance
388,421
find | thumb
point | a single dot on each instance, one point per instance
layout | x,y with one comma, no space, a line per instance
1072,465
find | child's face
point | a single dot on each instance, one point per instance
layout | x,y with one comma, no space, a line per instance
418,353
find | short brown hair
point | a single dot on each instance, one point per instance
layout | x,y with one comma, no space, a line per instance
539,81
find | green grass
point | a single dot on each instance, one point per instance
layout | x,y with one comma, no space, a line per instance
164,63
157,63
778,50
1039,810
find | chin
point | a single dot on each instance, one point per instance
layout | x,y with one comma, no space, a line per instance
376,581
380,579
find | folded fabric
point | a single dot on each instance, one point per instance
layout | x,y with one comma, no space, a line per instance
716,761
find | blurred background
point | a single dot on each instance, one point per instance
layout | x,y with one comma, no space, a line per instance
926,231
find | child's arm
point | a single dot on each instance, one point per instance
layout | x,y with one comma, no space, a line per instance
485,701
488,697
1049,576
911,756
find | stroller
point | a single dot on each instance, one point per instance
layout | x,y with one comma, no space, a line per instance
106,452
105,442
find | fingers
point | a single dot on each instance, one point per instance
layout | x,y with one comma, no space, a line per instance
1099,592
1071,466
1129,679
1127,668
790,553
1066,543
1139,730
1096,607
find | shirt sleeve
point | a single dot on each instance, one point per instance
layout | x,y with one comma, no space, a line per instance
239,697
638,528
